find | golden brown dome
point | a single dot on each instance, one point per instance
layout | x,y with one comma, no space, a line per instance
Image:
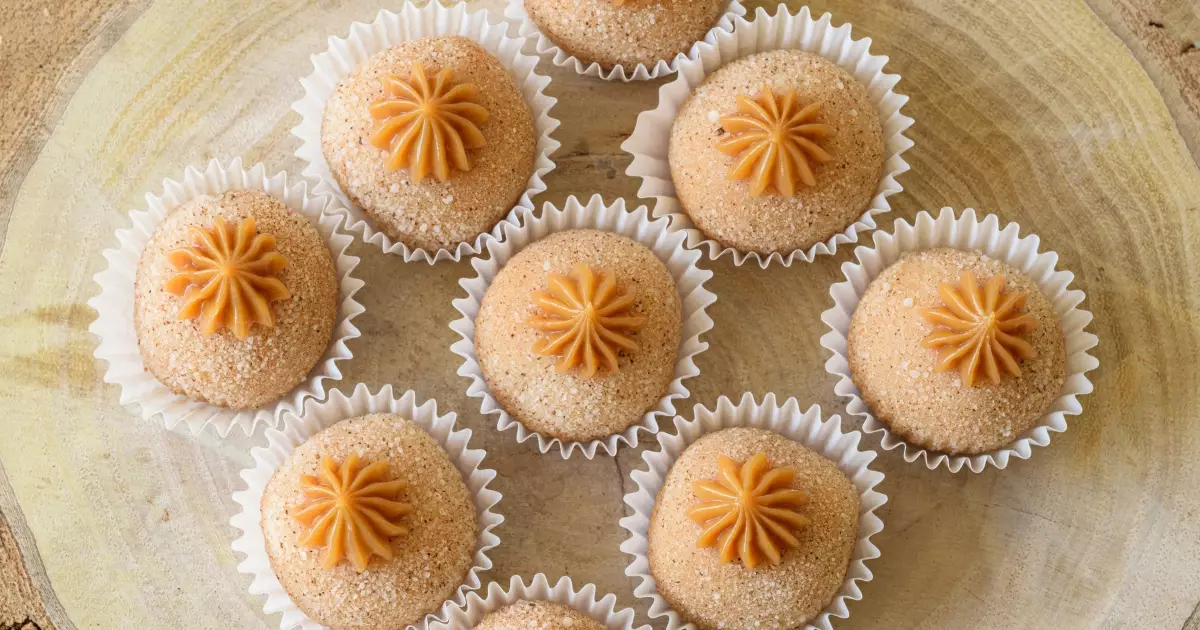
227,278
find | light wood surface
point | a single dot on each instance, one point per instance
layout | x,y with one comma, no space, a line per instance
1061,116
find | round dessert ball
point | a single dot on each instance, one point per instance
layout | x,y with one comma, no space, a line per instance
530,615
612,32
936,410
714,595
727,210
429,561
569,405
221,368
429,213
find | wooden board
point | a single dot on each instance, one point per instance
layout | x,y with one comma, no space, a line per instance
1036,111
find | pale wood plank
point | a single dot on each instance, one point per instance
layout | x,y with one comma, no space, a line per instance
1035,111
1164,35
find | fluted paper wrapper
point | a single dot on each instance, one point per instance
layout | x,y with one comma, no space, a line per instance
515,12
316,416
389,29
114,305
822,436
651,137
603,610
668,246
1001,242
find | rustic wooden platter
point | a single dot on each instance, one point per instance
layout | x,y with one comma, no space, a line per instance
1073,120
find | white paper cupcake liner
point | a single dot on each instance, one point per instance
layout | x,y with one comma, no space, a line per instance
680,261
515,12
651,136
114,305
603,610
823,436
296,429
390,29
1004,243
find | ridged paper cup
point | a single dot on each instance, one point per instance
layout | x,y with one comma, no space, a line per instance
389,29
1002,242
822,436
668,246
515,12
297,429
651,137
603,610
114,305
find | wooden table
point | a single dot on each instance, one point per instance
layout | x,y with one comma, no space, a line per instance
1079,121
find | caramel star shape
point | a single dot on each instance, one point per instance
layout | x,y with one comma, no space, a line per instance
226,277
352,511
773,141
749,511
428,126
977,329
587,320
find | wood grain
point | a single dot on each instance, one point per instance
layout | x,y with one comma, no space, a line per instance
1036,111
1164,35
46,47
20,603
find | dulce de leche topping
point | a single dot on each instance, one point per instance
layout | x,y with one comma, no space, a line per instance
619,3
977,329
773,140
587,320
351,511
428,125
226,278
749,511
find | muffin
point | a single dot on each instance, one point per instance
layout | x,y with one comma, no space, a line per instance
528,615
235,299
410,526
432,139
625,32
577,335
776,152
718,574
956,352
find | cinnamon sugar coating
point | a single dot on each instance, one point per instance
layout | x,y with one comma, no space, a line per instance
220,368
529,385
898,376
627,32
432,214
428,564
714,595
727,210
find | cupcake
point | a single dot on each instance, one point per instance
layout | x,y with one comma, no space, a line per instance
235,299
535,615
578,333
955,351
714,568
432,138
776,152
368,524
625,32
